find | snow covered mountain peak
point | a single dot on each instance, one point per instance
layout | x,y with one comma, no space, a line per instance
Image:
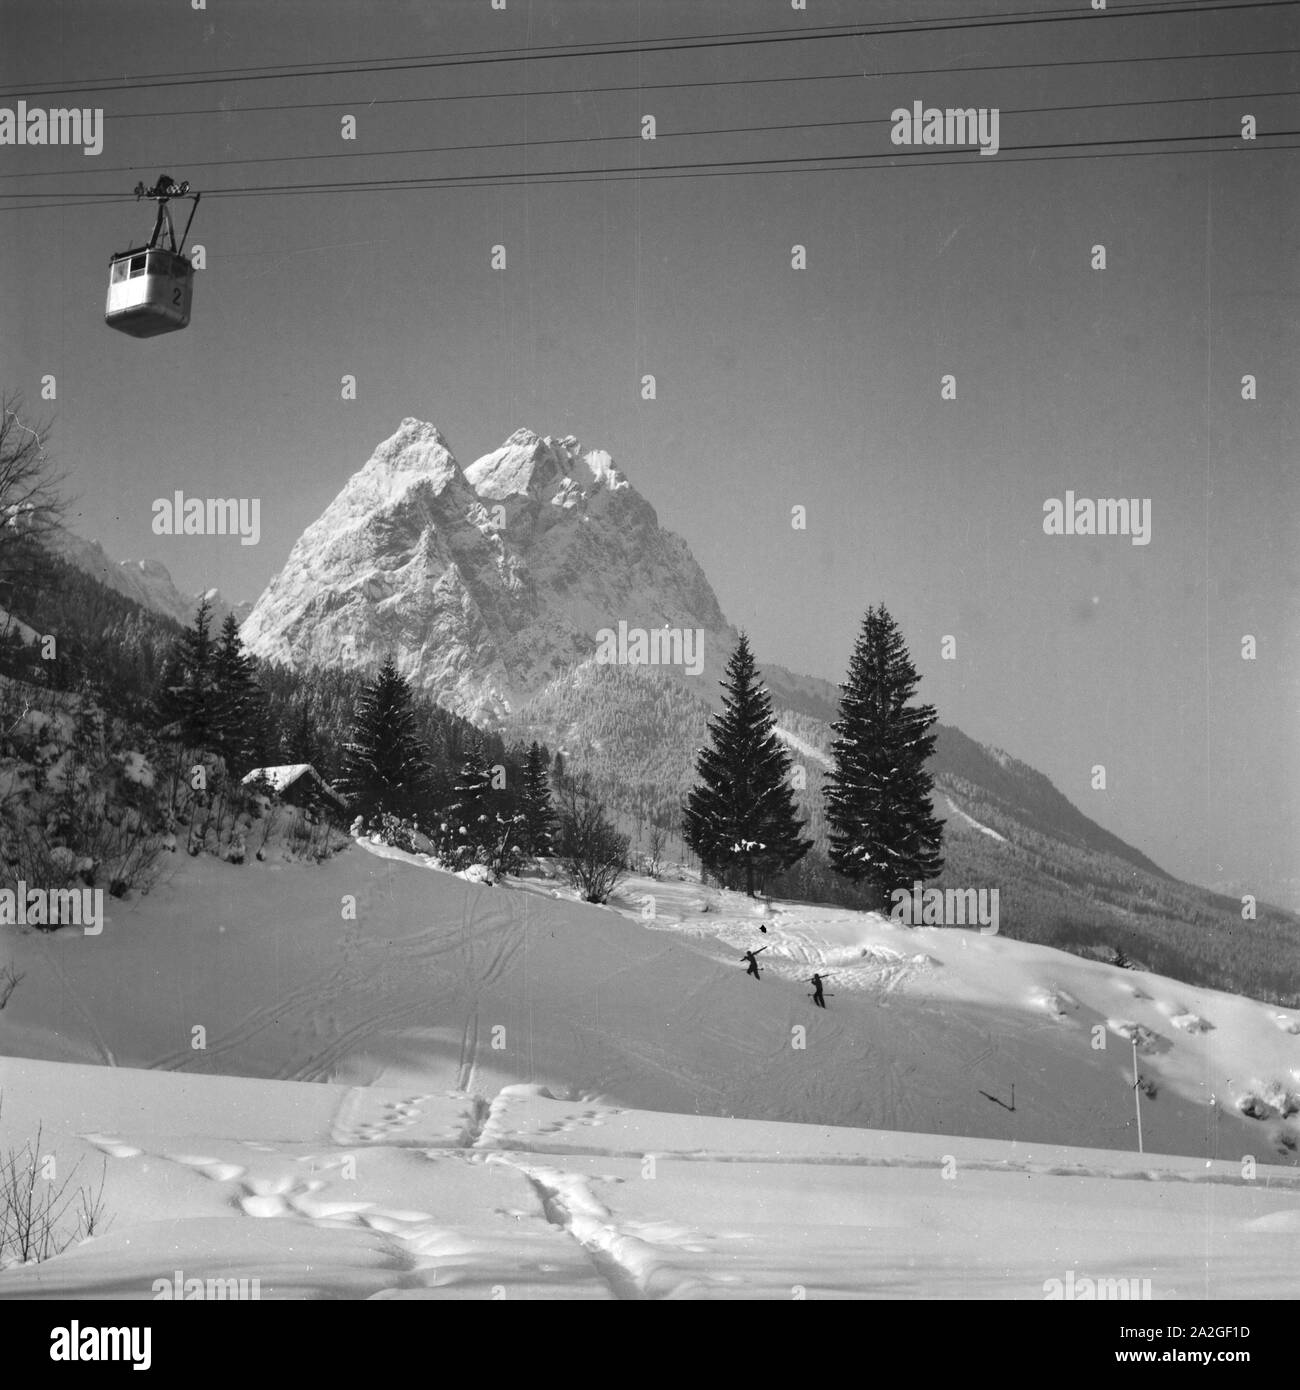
482,584
603,472
530,465
416,454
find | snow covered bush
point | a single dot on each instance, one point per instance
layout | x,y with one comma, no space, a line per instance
41,1217
136,768
399,833
81,805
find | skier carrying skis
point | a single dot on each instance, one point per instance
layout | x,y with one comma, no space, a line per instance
752,958
817,998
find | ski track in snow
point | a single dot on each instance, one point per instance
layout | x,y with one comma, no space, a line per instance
623,1254
487,942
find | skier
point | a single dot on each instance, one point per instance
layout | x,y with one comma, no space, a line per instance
752,958
817,998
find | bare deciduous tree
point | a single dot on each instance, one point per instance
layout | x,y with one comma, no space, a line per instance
657,841
9,978
592,851
31,505
40,1214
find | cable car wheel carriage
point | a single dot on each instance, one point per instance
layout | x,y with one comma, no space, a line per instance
150,287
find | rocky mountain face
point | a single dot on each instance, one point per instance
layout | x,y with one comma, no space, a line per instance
487,582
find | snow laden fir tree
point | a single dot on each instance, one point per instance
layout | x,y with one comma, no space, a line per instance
385,764
540,821
883,832
209,699
480,826
740,816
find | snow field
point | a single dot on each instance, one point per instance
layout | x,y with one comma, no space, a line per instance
549,1198
518,1095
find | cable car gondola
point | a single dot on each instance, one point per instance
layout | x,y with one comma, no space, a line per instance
150,286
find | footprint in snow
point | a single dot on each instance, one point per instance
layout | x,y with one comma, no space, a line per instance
264,1207
222,1172
277,1186
114,1148
394,1223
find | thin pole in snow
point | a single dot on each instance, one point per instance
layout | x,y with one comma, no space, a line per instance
1137,1093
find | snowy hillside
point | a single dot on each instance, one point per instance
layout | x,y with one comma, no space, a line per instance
928,1029
498,1063
148,582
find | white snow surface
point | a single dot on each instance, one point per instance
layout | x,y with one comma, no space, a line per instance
471,1087
972,822
281,776
804,748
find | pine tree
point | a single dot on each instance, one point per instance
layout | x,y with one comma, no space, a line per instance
240,717
302,745
385,765
538,809
473,786
740,815
878,810
188,702
479,826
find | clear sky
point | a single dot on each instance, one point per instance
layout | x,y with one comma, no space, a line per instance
776,387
